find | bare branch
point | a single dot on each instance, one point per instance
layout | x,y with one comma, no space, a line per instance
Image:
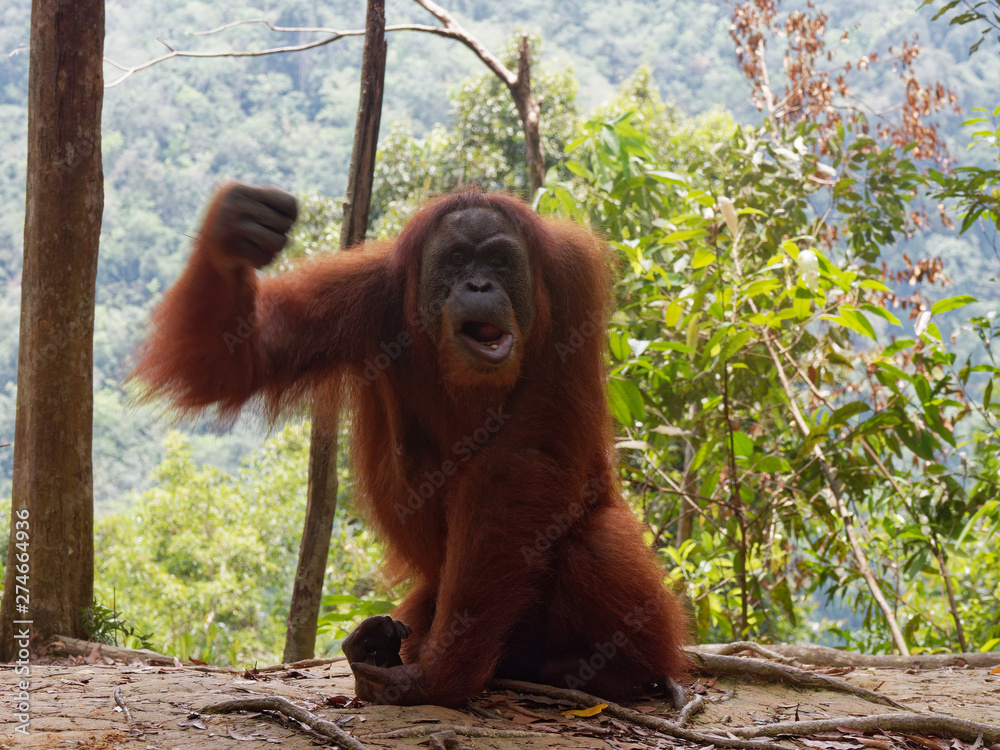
519,83
173,52
269,24
456,31
451,30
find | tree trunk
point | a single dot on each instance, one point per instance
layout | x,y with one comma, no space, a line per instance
307,592
529,112
689,488
50,563
321,505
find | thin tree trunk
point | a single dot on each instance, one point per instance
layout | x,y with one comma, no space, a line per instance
685,522
529,111
321,505
834,492
935,547
50,562
836,500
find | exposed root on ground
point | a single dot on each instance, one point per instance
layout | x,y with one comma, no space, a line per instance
668,728
285,707
736,666
824,656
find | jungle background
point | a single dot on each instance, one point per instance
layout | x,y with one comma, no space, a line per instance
801,358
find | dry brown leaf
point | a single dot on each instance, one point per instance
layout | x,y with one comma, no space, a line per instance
877,742
844,744
926,742
647,709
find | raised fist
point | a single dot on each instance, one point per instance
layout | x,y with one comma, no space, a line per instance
250,224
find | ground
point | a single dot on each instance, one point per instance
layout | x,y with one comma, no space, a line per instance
73,706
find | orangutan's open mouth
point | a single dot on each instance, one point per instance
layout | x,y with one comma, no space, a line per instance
486,340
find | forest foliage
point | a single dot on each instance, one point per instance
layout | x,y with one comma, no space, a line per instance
805,390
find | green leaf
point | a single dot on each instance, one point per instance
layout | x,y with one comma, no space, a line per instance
702,257
881,312
742,444
693,330
771,465
668,178
675,346
854,320
734,344
699,458
897,346
626,400
619,346
712,480
684,234
989,645
952,303
578,169
872,284
761,286
845,412
801,308
672,314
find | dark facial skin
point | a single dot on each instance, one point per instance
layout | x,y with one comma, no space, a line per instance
476,288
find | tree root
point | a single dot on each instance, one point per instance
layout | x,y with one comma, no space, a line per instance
824,656
735,666
908,723
668,728
695,705
736,647
285,707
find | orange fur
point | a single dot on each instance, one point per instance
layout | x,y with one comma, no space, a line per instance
500,502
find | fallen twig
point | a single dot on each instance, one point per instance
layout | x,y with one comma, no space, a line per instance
910,723
284,706
693,706
716,664
121,704
668,728
304,664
